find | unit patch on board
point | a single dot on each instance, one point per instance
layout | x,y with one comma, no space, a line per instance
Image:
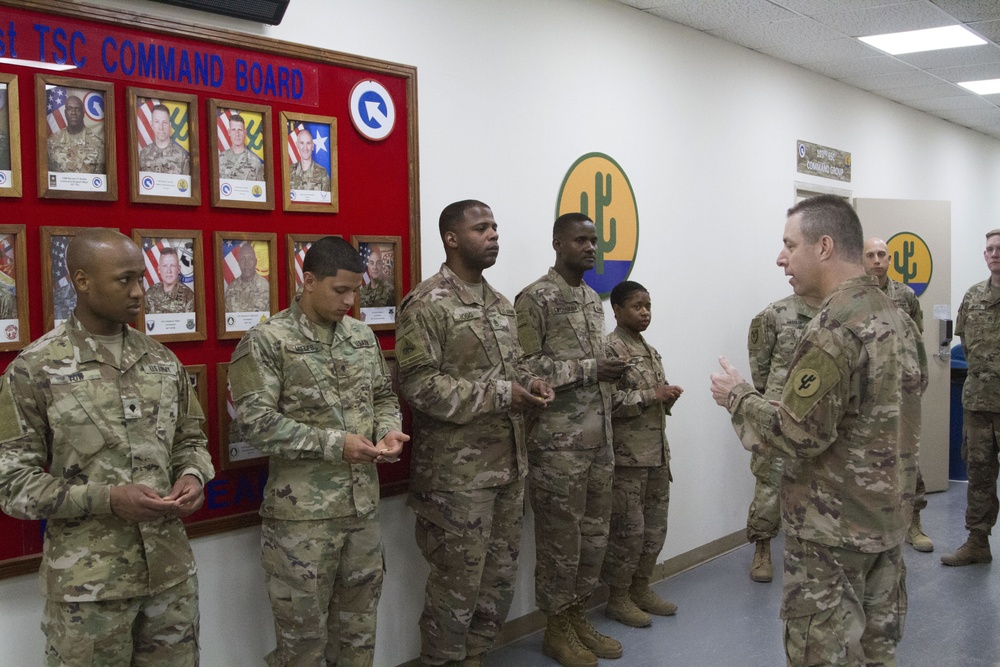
597,186
372,110
910,261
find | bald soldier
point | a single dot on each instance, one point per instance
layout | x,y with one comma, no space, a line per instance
100,436
164,155
379,292
876,258
306,174
236,162
76,148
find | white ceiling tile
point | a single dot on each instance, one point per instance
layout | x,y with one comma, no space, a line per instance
851,69
812,52
916,15
970,10
969,55
925,92
896,80
721,13
956,102
968,73
987,29
792,31
813,7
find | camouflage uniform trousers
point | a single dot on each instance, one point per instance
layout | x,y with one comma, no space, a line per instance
980,439
640,499
842,607
324,579
764,517
471,540
570,494
156,631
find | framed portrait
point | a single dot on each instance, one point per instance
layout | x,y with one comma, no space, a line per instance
246,281
234,450
10,137
241,166
14,332
296,246
197,375
75,128
382,281
163,166
58,293
173,305
309,162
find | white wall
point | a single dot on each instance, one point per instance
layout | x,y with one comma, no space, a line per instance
510,94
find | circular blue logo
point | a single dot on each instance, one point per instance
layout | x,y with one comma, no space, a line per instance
3,178
148,182
98,181
227,189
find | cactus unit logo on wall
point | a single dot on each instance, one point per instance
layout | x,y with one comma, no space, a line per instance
597,186
910,261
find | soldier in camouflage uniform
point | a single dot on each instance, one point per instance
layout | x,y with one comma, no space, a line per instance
306,174
978,324
8,304
876,258
76,148
100,435
312,391
561,328
237,162
250,292
169,295
641,491
849,416
460,371
380,292
164,155
4,148
774,335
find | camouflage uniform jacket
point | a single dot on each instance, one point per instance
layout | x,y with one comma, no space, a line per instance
80,153
314,179
245,166
850,414
299,390
158,301
640,439
248,296
906,299
378,294
74,423
172,159
774,335
458,357
978,323
561,329
8,304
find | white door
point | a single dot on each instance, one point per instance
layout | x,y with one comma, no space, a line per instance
929,222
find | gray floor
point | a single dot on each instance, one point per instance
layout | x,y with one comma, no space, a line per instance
726,620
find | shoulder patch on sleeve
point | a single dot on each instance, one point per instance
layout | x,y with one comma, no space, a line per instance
528,336
10,419
755,339
244,375
411,349
815,374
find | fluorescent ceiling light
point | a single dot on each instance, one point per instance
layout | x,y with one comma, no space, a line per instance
914,41
984,87
36,63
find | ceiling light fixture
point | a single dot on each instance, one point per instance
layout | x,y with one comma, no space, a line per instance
915,41
984,87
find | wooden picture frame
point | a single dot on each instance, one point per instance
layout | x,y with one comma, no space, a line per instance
198,380
163,315
296,246
164,162
80,164
14,330
58,293
247,293
234,452
315,188
10,137
377,304
240,182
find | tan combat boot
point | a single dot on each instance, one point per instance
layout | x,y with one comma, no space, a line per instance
975,550
599,644
645,599
562,645
621,608
915,535
760,568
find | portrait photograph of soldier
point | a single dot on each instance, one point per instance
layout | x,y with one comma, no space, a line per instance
309,163
173,288
381,280
76,137
240,156
13,276
163,146
244,280
235,451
